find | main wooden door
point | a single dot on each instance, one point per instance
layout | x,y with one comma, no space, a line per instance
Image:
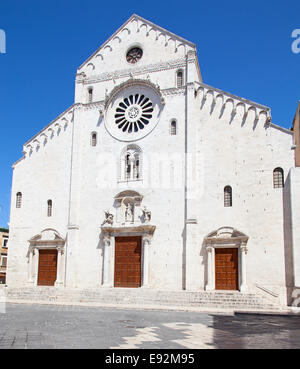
47,267
226,269
128,262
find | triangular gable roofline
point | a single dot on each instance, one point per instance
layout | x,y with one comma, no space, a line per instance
135,16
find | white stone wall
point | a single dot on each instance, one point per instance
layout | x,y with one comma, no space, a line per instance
43,174
241,155
295,222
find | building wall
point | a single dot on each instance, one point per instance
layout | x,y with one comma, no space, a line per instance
166,204
3,254
295,222
296,127
43,174
243,154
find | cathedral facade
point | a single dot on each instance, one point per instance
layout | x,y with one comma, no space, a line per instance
153,179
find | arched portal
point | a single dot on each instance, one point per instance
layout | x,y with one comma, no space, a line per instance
45,258
126,242
226,260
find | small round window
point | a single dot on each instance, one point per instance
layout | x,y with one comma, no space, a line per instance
133,113
134,55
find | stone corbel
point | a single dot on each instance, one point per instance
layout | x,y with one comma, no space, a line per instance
209,249
147,240
244,248
106,240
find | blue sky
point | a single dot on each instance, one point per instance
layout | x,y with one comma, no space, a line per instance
243,48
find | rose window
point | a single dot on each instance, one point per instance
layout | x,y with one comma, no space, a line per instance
134,55
133,113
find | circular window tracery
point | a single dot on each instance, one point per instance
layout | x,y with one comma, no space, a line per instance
134,55
133,113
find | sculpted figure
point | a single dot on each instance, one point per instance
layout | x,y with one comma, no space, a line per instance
146,215
109,218
128,213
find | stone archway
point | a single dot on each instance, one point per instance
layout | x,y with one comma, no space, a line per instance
130,233
226,247
46,258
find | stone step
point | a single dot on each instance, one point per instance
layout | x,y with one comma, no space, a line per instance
140,297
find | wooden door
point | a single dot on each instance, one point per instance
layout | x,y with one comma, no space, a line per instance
128,261
226,265
47,267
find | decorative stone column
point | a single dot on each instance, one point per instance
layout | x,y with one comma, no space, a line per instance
59,281
209,286
243,284
145,261
35,264
131,168
30,265
106,241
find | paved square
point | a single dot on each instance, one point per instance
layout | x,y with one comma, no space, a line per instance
49,326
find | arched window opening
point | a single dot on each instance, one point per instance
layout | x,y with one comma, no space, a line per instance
227,196
278,178
179,78
128,167
94,139
90,93
131,163
19,200
49,208
136,167
173,128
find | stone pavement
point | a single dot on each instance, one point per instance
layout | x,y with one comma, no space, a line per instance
49,326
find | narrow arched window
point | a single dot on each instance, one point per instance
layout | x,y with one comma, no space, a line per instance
227,196
49,208
19,200
127,167
278,178
90,93
136,166
173,128
94,139
179,78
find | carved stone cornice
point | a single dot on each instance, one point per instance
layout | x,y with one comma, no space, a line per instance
157,67
135,229
40,140
203,92
226,236
129,83
173,91
94,105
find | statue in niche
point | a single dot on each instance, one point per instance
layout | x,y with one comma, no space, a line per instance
109,218
129,213
146,215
